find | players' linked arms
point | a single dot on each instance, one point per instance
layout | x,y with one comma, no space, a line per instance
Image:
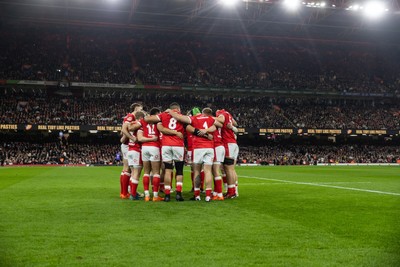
123,139
221,119
197,132
152,119
179,134
166,131
180,117
143,139
218,123
127,134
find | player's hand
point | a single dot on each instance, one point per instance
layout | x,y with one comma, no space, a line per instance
168,110
229,126
155,138
210,137
202,132
179,134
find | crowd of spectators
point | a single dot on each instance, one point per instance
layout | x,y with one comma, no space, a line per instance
280,154
17,153
103,56
103,107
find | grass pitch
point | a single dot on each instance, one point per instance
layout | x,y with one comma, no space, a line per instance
285,216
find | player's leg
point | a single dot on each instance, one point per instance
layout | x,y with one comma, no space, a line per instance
162,175
197,182
235,153
189,161
230,177
198,155
178,154
135,163
125,174
155,169
146,172
232,151
236,180
166,152
218,159
146,179
208,158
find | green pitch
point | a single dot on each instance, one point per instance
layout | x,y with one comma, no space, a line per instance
285,216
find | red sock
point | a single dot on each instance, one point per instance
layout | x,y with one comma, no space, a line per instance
179,186
156,183
134,186
146,182
125,182
218,185
202,180
208,192
162,186
197,192
224,178
167,189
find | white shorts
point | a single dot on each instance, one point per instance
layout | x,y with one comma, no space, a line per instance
219,154
203,156
231,150
189,157
150,153
134,159
172,153
124,151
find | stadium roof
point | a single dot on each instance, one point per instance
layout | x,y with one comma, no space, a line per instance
261,18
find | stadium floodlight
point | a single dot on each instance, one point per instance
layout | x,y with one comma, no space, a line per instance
229,3
374,9
291,5
356,7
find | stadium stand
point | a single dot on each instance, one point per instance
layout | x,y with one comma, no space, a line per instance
119,58
100,108
269,83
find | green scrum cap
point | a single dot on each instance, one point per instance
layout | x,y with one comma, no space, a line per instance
195,111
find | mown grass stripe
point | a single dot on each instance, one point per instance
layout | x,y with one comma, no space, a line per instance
322,185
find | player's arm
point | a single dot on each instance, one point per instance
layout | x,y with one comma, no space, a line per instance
180,117
198,132
217,123
123,138
152,119
232,126
234,123
127,127
208,130
126,133
221,119
143,139
167,131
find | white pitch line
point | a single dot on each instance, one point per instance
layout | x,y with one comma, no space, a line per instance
323,185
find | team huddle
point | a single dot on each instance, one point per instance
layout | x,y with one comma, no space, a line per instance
155,142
